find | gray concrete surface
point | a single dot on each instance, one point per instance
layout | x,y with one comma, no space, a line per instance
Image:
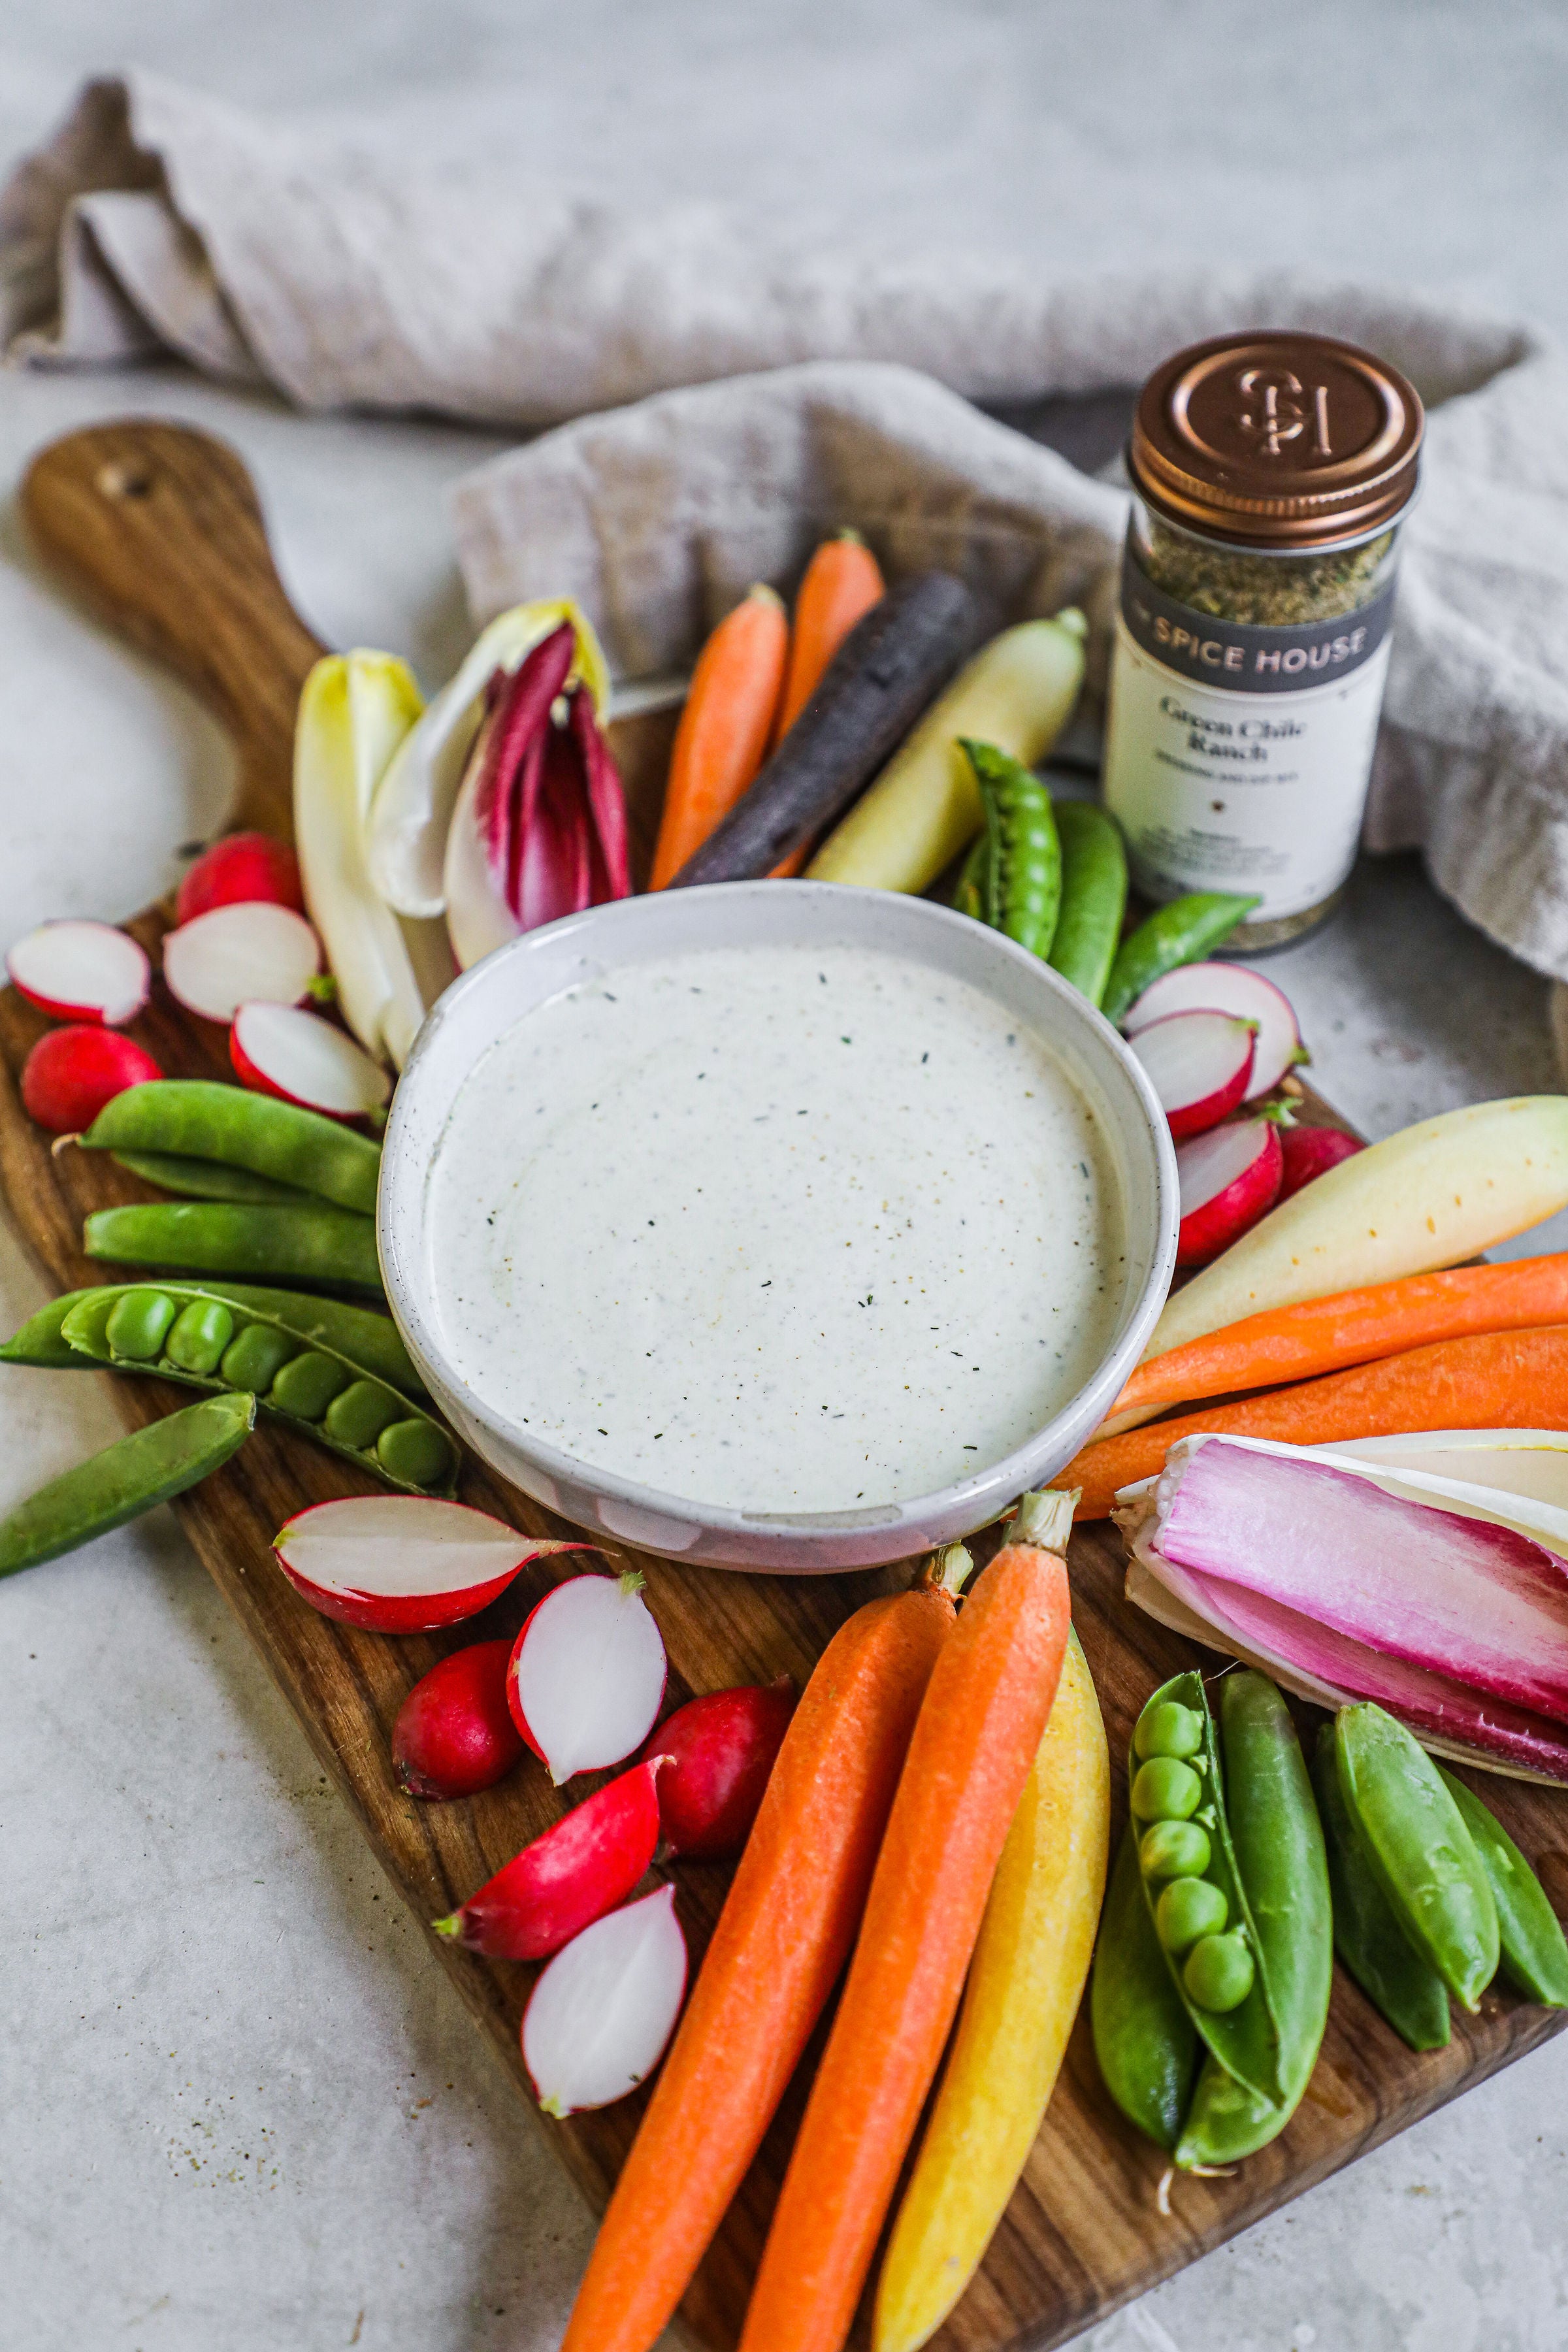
242,2107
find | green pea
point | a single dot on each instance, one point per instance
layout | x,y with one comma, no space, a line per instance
416,1453
1182,932
1218,1973
359,1415
1166,1789
256,1356
85,1326
307,1385
138,1323
200,1336
1168,1728
1189,1909
1174,1850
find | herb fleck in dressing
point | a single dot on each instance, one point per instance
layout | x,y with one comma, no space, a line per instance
776,1230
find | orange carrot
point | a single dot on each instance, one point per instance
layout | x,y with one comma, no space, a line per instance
1491,1380
984,1717
1324,1335
782,1935
723,732
841,583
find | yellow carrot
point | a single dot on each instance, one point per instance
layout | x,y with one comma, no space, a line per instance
1026,1981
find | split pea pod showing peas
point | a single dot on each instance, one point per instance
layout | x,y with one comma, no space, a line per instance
126,1479
1181,932
365,1338
1019,870
311,1243
197,1119
1415,1841
1400,1985
181,1332
1094,897
1535,1949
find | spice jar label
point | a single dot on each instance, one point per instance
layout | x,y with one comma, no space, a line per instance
1251,786
1242,656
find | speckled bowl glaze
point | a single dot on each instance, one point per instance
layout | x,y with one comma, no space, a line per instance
498,993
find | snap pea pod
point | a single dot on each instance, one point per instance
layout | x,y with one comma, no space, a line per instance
967,895
1143,2037
198,1118
124,1480
1215,1960
1279,1845
1401,1986
1181,932
1020,872
206,1180
1094,897
1419,1850
315,1243
1535,1949
365,1338
221,1340
40,1341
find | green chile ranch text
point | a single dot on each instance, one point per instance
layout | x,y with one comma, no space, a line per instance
1219,738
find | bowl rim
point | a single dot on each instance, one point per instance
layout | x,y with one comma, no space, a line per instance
401,1190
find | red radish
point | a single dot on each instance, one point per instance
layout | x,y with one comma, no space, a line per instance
239,870
1311,1151
453,1735
82,971
1232,988
71,1073
720,1749
279,1050
586,1678
255,952
1200,1064
403,1563
567,1878
603,2009
1229,1178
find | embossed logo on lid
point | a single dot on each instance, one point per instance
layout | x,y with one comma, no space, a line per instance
1277,440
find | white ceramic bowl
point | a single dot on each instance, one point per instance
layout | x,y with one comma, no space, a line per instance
499,992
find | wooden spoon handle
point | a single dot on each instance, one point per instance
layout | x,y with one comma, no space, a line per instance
158,529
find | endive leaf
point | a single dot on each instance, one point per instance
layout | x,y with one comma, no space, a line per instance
414,804
354,710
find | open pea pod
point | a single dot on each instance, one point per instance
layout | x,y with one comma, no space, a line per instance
1243,2038
285,1354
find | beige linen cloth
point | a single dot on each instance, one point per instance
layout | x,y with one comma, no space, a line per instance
761,387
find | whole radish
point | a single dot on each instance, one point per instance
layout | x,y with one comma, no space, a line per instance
567,1878
586,1677
720,1749
1311,1151
241,867
454,1735
71,1073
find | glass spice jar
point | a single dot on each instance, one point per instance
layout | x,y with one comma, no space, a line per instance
1271,474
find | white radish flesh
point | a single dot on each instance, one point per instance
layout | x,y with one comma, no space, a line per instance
1231,988
1199,1065
403,1562
250,952
1228,1177
1430,1196
605,2005
587,1675
81,970
279,1050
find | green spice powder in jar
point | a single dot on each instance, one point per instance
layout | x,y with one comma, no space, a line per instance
1271,476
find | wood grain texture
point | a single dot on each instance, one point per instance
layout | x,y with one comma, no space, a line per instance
159,528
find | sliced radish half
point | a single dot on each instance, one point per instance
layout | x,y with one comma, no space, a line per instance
1229,1178
1232,988
71,1073
602,2011
242,867
586,1677
251,953
279,1050
79,971
1199,1065
402,1563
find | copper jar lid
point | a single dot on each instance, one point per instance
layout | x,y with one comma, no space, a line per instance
1277,440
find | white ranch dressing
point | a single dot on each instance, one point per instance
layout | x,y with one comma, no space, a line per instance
775,1229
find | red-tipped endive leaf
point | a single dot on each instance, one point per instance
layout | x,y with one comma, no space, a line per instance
612,876
1457,1596
403,1563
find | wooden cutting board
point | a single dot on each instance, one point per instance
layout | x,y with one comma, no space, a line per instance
159,529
